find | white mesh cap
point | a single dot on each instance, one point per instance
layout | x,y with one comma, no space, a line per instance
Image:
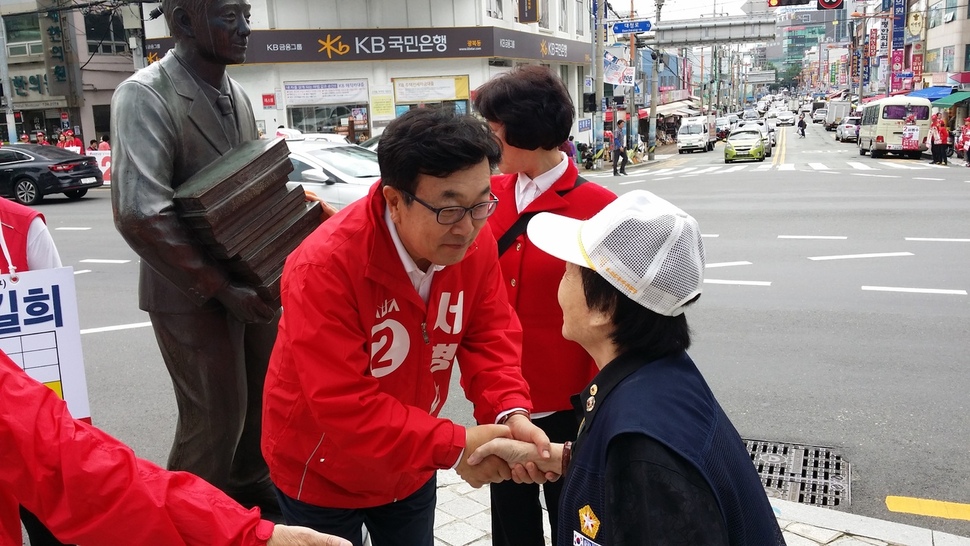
647,248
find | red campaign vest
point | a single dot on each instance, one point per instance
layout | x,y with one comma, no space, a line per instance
15,221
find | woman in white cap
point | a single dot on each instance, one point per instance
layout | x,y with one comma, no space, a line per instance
656,461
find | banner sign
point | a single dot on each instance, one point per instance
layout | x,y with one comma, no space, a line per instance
528,11
917,66
873,42
899,23
865,73
40,332
312,93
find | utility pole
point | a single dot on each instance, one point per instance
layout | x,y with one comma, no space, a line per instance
654,94
7,88
632,125
703,81
599,16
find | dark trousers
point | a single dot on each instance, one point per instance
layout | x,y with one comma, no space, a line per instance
36,532
617,156
937,156
516,512
407,522
218,365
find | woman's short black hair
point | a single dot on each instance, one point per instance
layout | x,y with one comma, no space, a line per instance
433,141
532,103
635,328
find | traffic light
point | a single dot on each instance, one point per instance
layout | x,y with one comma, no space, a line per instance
780,3
589,103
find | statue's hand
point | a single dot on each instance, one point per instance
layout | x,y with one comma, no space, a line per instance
245,304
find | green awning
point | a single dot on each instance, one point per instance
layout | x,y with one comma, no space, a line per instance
951,100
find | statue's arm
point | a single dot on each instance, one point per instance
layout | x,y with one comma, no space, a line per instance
145,143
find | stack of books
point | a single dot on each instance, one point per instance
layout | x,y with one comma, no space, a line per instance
241,211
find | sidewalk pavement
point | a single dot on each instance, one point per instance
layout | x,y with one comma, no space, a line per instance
462,518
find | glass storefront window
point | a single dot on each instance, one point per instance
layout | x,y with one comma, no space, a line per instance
22,28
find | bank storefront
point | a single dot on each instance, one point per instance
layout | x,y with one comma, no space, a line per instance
355,81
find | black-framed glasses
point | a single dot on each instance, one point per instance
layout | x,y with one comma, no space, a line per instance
452,215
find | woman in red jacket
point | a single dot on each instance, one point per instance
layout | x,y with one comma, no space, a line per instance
530,112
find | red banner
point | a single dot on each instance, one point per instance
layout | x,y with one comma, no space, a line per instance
873,42
917,65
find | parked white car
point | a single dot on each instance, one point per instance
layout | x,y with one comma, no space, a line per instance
848,129
337,173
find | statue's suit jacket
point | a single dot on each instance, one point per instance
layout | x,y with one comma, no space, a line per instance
163,131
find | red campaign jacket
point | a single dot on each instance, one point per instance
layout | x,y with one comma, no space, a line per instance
89,488
361,365
554,367
15,222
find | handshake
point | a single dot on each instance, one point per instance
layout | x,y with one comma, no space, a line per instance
517,450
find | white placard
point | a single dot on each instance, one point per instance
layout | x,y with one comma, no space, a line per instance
40,332
325,92
104,162
408,90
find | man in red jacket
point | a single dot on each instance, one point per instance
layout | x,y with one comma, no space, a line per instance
380,303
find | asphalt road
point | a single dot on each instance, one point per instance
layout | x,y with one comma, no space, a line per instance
795,349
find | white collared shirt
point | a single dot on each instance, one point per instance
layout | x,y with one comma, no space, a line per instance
421,280
528,189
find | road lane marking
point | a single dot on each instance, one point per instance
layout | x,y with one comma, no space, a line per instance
860,166
639,181
116,328
710,235
928,507
786,167
764,167
922,178
682,171
937,240
80,271
854,256
734,168
707,170
876,175
95,261
899,166
832,237
72,229
738,283
818,166
915,290
726,264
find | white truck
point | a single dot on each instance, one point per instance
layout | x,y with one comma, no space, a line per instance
698,133
794,105
837,111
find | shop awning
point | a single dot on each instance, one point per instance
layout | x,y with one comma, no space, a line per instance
673,107
833,95
932,93
608,115
872,98
951,100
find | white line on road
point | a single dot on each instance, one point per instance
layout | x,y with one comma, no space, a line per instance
78,272
726,264
710,235
661,171
852,256
818,166
916,290
684,170
739,283
833,237
639,181
786,167
116,328
876,175
937,240
734,169
72,229
860,166
95,261
764,167
706,170
900,166
922,178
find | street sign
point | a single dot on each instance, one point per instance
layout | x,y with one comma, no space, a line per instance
754,6
631,27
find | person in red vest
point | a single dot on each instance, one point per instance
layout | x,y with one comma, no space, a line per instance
42,139
73,141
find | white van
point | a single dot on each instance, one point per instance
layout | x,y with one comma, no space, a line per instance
898,125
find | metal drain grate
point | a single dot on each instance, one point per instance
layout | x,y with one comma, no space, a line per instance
812,475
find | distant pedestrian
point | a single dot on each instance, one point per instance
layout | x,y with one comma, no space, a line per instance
105,145
25,138
42,139
801,126
619,149
944,140
93,145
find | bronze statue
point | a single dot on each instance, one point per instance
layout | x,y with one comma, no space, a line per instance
169,121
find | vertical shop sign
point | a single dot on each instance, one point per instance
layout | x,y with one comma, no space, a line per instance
528,11
917,67
899,23
873,42
55,54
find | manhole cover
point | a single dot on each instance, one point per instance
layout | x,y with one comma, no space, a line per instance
812,475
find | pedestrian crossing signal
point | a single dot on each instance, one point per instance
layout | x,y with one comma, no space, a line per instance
780,3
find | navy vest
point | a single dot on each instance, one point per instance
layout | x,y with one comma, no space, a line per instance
668,400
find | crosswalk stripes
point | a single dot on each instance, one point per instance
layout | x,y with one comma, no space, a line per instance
764,167
860,166
786,167
719,168
897,165
819,167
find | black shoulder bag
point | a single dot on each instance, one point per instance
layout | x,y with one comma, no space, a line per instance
518,228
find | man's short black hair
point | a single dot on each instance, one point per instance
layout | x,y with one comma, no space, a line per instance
532,103
635,328
433,141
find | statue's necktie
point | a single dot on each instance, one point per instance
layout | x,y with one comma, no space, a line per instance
228,119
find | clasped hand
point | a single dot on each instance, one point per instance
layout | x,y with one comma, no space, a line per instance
519,450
